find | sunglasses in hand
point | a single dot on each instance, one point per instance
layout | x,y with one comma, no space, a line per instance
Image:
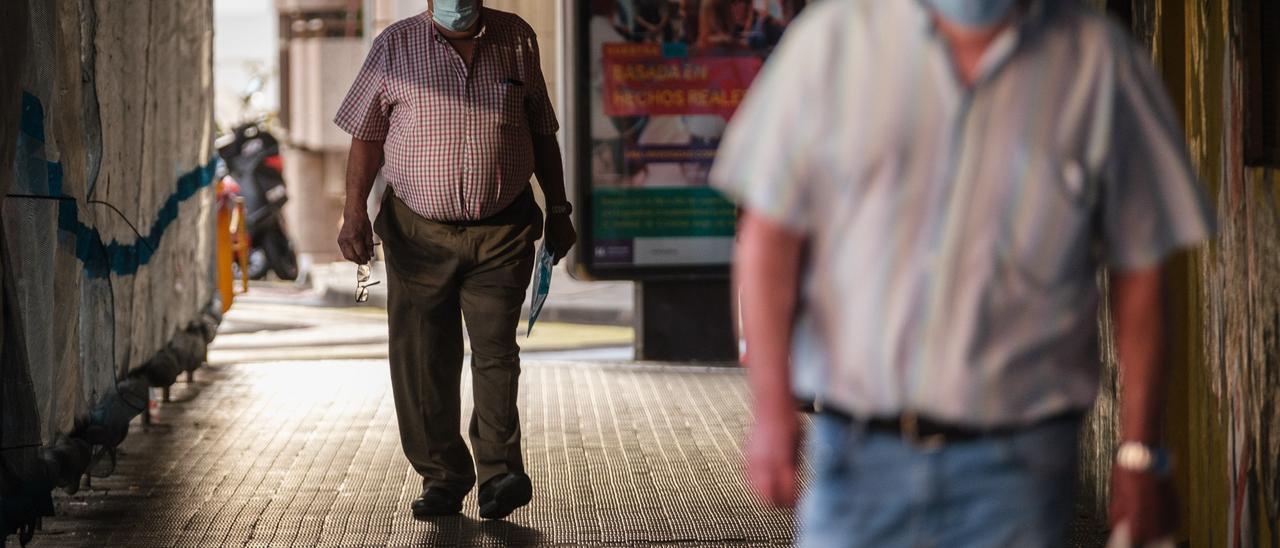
363,273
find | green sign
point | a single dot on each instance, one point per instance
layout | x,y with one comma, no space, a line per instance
629,213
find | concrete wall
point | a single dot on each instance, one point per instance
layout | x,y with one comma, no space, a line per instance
314,209
544,17
386,12
154,86
108,222
322,69
19,419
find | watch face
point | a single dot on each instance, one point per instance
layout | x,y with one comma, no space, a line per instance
1134,457
1141,458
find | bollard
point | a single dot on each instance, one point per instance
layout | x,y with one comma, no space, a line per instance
146,410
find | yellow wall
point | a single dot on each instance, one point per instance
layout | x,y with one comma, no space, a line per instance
1229,291
1225,297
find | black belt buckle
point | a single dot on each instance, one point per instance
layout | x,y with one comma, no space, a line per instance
909,428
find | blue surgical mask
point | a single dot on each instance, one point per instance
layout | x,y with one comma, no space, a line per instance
972,13
456,15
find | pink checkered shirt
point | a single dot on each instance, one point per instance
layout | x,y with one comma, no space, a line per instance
458,143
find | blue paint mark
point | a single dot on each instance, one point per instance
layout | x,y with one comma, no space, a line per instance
675,50
32,117
100,259
55,178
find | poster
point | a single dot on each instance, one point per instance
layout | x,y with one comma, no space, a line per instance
665,76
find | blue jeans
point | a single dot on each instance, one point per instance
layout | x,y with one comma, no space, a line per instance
874,489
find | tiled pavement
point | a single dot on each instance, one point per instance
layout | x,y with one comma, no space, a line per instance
307,453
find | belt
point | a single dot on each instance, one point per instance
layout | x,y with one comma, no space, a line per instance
930,434
509,215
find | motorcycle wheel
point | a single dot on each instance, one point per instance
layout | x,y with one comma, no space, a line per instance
280,255
257,265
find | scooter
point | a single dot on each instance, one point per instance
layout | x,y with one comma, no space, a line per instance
252,156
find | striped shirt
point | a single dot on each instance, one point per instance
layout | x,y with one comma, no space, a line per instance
956,230
458,142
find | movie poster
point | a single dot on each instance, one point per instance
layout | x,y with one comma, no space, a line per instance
665,78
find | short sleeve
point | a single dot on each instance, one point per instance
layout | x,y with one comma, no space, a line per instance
542,116
365,113
1152,203
764,158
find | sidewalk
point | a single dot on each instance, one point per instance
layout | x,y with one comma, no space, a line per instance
308,454
570,301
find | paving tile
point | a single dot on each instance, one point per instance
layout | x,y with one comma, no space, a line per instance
307,454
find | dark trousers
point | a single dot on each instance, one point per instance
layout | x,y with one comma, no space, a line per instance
437,275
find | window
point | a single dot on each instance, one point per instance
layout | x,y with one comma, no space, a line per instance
348,23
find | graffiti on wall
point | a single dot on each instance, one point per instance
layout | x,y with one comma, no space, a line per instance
43,180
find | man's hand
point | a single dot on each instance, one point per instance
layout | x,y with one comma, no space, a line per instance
1145,501
356,237
773,446
560,235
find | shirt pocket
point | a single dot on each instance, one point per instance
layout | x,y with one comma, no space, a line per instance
1045,232
507,106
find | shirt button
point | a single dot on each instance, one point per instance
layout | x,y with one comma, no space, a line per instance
1073,177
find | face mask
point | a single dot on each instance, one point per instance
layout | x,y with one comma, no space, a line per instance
971,13
456,15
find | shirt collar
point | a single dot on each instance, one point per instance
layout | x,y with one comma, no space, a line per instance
1030,17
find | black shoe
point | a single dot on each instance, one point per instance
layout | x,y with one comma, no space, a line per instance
436,502
503,493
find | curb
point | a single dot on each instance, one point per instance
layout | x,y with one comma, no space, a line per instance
343,295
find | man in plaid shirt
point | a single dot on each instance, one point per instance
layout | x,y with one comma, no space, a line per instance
451,105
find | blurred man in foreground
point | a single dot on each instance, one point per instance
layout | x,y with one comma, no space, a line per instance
451,105
958,170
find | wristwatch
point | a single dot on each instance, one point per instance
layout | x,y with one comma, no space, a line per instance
1139,457
562,208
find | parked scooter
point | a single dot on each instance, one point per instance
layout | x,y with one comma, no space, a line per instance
252,156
